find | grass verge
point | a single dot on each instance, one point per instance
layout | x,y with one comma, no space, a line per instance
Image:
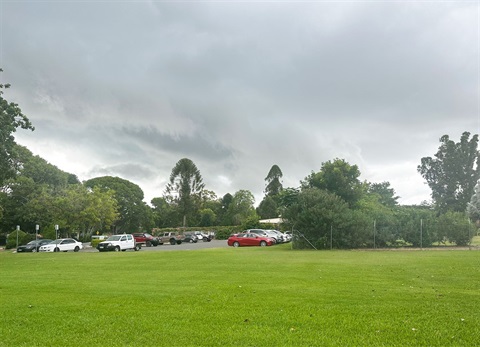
241,297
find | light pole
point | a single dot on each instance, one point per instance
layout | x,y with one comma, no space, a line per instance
56,231
37,227
18,229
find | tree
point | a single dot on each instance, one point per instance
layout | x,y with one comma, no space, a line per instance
185,185
267,208
453,173
241,208
135,215
386,195
274,186
473,207
11,118
337,177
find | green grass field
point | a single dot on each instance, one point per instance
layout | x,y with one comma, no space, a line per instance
241,297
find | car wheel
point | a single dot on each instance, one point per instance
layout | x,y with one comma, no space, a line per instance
173,242
236,244
34,250
179,242
76,249
137,248
117,249
191,240
263,243
56,249
149,244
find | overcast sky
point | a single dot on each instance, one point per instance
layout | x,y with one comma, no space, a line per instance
128,88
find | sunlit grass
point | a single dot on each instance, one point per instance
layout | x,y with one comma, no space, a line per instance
241,297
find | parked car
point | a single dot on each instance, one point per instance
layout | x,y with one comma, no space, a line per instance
119,243
190,237
61,245
249,239
146,239
33,246
203,237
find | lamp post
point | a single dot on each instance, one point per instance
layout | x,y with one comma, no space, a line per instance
37,227
18,229
56,231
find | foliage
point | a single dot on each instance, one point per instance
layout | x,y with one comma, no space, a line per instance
454,227
186,184
135,215
274,186
453,173
473,207
11,118
267,208
23,238
207,217
241,208
386,194
337,177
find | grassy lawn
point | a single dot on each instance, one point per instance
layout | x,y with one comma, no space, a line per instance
241,297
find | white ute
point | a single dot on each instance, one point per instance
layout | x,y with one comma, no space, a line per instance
118,243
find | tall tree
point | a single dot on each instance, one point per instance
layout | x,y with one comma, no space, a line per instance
274,186
186,184
473,207
241,208
453,172
134,213
11,118
337,177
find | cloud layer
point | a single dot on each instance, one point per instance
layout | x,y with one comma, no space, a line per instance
129,88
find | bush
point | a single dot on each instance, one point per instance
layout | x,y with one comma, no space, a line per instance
23,238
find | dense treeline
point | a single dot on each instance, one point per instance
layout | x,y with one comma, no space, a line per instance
331,208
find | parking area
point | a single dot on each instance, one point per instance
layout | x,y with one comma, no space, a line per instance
185,246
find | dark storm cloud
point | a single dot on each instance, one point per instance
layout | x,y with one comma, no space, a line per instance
129,88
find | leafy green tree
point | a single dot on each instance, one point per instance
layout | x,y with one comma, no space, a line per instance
135,215
315,213
241,208
337,177
83,211
455,228
453,173
164,213
473,207
186,184
207,217
11,118
417,225
267,208
386,194
274,186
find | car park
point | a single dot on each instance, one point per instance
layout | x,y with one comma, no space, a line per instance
249,239
33,246
118,243
62,245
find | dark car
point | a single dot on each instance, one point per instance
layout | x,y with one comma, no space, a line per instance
33,246
190,237
146,239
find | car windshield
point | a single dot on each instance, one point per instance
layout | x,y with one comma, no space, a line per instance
32,242
114,238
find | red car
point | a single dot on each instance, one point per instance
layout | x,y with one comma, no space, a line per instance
249,239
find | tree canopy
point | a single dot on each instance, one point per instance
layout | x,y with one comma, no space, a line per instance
453,172
11,118
185,185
